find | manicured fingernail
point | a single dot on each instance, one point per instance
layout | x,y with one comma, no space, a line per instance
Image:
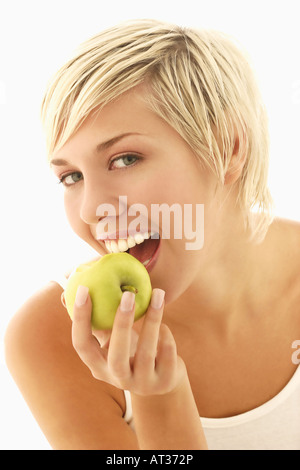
127,301
157,298
81,295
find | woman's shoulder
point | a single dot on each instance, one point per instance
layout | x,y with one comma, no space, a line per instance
38,335
42,312
285,236
40,315
284,254
40,330
42,321
58,388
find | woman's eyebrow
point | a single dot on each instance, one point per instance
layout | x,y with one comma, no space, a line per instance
99,148
109,143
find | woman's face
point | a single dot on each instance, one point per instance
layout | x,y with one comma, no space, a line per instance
127,151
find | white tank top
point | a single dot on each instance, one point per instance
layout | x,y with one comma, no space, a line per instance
275,425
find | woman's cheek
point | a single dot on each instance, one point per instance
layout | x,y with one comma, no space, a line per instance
175,270
72,211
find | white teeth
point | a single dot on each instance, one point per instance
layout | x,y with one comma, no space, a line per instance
108,246
139,238
130,242
121,245
114,247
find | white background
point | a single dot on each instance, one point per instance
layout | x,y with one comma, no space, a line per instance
35,39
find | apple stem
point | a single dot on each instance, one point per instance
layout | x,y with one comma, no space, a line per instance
129,288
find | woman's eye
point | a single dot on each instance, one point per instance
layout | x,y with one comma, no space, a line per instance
71,178
120,162
124,161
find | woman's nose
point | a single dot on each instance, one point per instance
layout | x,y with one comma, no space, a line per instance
94,197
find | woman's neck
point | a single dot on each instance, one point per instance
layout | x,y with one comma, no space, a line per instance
230,282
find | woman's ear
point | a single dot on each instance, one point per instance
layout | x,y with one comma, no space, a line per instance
237,161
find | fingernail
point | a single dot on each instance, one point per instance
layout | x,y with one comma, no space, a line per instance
127,301
157,298
81,295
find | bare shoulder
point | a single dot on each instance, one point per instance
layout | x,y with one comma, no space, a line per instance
41,316
289,226
73,409
286,236
40,330
285,258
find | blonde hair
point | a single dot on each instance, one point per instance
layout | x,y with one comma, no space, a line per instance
199,81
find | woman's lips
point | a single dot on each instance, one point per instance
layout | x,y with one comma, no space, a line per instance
117,242
153,260
122,241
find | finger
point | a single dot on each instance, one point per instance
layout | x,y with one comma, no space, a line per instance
84,342
103,336
120,340
166,360
148,339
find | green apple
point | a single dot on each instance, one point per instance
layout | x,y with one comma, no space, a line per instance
107,279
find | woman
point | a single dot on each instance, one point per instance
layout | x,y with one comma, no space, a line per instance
166,115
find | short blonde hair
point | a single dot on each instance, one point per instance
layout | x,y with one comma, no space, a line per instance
200,82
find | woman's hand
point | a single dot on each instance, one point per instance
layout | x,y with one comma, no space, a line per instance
144,364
